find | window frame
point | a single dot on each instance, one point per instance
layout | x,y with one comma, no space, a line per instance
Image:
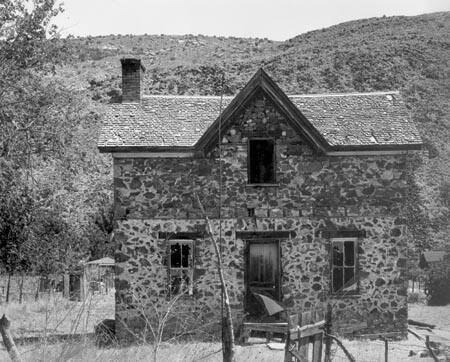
173,271
274,162
342,240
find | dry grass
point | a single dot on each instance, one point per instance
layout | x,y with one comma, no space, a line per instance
364,351
57,315
62,316
440,316
193,351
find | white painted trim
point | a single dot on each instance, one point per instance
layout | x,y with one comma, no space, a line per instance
153,154
369,153
352,238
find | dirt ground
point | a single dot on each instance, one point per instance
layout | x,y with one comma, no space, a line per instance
56,315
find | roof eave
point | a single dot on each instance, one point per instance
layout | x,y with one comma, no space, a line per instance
378,147
114,149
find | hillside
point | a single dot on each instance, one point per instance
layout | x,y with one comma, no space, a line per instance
411,54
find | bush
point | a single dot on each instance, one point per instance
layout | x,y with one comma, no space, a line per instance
105,333
437,289
413,297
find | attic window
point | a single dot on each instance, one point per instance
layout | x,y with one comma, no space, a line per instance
261,163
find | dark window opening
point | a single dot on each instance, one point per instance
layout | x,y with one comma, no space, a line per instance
261,162
344,266
181,266
251,212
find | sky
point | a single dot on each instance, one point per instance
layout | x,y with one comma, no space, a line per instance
275,19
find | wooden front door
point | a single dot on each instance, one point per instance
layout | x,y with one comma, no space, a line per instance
262,274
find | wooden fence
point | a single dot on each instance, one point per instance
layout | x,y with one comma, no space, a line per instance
306,331
305,334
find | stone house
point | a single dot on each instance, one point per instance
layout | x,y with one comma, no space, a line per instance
305,193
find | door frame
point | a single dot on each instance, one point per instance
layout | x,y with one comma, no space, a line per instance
261,240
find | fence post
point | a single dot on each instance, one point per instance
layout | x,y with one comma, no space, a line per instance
8,340
386,347
327,333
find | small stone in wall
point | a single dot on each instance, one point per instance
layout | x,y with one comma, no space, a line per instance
121,284
379,282
396,232
316,287
135,183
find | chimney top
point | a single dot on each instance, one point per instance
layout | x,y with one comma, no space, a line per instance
132,61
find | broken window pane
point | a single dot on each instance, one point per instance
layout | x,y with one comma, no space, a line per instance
261,161
337,279
338,254
349,253
185,252
349,276
175,255
180,282
179,255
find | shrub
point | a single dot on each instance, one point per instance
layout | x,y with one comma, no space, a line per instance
437,288
413,297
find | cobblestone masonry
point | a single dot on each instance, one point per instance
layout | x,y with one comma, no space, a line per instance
316,196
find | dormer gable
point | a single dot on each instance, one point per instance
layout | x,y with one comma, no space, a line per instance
261,85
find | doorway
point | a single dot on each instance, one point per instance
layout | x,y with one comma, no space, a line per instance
262,274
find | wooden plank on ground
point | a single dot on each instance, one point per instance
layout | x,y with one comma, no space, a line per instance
267,327
420,324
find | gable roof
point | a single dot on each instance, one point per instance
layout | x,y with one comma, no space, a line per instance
330,122
262,82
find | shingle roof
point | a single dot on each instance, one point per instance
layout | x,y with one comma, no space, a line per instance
358,119
160,121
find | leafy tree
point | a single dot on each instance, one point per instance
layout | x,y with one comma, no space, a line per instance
15,217
46,125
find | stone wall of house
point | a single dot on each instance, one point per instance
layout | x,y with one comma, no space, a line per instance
316,197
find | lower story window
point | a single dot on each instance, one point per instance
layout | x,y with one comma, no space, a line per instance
344,266
181,266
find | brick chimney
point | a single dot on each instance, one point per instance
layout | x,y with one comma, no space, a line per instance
132,76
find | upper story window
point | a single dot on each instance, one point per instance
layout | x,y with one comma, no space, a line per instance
261,161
